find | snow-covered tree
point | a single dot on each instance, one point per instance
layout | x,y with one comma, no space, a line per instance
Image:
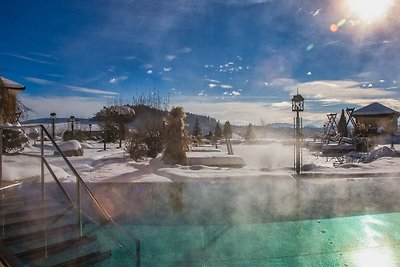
218,130
116,115
250,133
196,129
227,130
175,136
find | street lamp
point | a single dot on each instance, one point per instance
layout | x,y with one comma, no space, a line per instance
53,116
297,106
72,120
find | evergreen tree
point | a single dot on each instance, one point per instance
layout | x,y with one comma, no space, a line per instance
175,137
209,135
227,130
218,131
196,129
250,133
342,125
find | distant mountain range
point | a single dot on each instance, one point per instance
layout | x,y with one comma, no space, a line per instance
58,120
207,124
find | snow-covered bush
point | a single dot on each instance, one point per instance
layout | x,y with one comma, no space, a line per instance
379,153
13,140
144,143
70,148
33,134
135,146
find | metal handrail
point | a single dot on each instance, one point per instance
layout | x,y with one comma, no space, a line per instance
10,186
78,190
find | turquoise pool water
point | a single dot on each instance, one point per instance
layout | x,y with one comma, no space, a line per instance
259,224
368,240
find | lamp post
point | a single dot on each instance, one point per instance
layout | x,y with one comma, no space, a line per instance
53,116
72,120
90,130
297,106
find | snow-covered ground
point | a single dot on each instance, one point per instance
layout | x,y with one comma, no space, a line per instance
261,160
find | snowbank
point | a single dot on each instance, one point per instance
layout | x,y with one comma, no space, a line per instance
380,153
205,149
214,159
71,148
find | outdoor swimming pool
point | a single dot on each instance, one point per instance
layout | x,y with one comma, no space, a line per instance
257,223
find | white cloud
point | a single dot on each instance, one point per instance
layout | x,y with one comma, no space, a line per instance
186,50
116,80
170,57
339,90
212,85
130,57
27,58
148,66
63,106
167,69
149,72
111,68
235,93
212,81
284,104
242,113
38,81
113,80
90,90
226,86
244,2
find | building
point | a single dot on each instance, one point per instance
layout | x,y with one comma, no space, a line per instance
8,100
377,119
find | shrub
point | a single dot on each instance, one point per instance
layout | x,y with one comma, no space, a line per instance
135,146
78,135
154,143
13,140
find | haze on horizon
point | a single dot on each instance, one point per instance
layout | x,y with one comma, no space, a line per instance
237,60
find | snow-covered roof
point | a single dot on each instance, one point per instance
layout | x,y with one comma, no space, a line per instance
8,84
375,109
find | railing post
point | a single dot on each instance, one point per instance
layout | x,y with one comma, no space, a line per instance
42,188
78,200
1,180
138,260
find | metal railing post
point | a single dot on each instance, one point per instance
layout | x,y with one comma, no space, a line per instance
78,200
42,188
1,180
138,260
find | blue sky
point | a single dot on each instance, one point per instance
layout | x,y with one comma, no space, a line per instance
237,60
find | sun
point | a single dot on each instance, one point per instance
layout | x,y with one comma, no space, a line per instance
368,10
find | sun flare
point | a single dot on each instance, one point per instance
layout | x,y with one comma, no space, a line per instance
368,10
